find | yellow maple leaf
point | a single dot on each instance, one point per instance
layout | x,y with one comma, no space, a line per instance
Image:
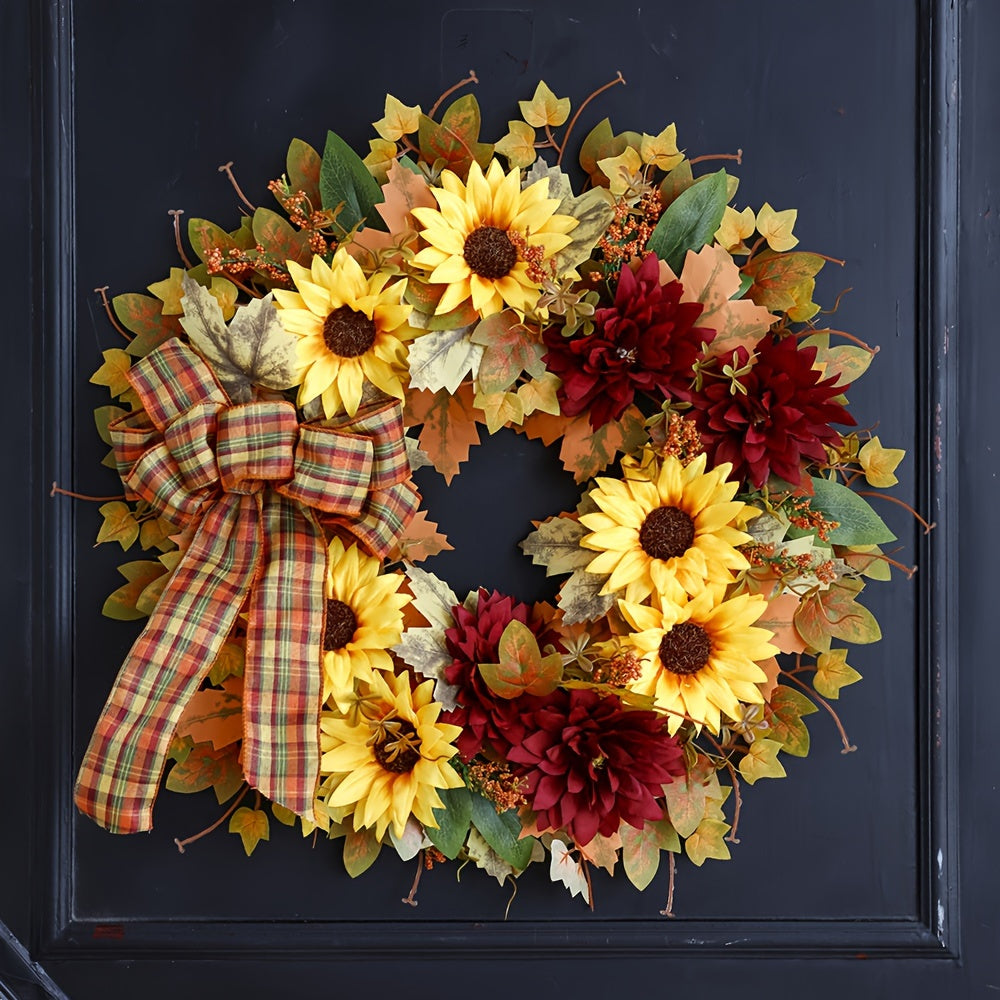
661,150
399,120
621,170
540,394
545,108
224,292
500,408
170,290
518,145
380,159
833,672
735,228
776,227
880,463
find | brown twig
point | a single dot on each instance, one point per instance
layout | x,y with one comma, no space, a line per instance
928,525
181,844
737,156
668,910
176,214
569,128
590,885
842,333
103,292
411,899
227,169
471,78
57,490
848,746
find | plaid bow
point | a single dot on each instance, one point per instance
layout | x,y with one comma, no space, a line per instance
255,487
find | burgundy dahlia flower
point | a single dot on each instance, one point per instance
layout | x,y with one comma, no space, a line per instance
780,420
646,341
588,764
483,715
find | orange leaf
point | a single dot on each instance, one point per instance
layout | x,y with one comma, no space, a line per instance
404,190
522,668
602,851
586,452
711,277
772,668
214,716
421,540
545,427
449,426
778,618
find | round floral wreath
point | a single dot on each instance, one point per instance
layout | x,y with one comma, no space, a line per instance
296,650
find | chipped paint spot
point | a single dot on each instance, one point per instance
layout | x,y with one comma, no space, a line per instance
940,919
940,861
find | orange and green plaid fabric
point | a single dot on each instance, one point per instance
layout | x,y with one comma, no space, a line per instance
253,483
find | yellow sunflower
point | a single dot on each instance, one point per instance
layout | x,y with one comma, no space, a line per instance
388,756
700,659
351,327
363,620
666,528
489,240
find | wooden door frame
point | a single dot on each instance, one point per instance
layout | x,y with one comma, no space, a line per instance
56,935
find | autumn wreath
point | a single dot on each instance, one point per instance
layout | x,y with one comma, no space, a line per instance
273,400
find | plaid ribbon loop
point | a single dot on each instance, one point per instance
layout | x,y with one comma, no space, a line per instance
256,488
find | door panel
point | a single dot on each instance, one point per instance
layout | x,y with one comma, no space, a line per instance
843,111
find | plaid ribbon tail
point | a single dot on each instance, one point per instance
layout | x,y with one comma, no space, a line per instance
121,770
283,682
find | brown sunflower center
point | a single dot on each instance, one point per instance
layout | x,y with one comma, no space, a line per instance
489,252
666,532
685,649
340,625
398,749
347,332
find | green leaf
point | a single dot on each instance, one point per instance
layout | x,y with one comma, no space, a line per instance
676,183
456,139
104,416
284,816
508,350
776,276
685,804
601,142
502,832
345,179
859,524
204,767
787,728
361,848
121,605
453,821
280,239
835,614
522,668
251,825
690,221
641,849
303,166
143,316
